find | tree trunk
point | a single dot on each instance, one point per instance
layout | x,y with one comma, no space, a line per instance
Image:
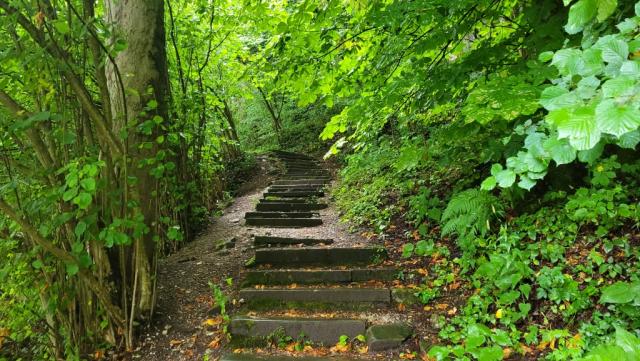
142,70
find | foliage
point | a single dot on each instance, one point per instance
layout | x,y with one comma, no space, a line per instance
470,213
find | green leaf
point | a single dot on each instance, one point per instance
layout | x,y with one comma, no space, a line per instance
580,14
83,200
620,292
619,86
560,150
606,8
70,194
506,178
489,183
556,97
72,269
614,50
526,182
616,119
568,61
81,227
629,343
629,140
88,184
579,127
546,56
37,264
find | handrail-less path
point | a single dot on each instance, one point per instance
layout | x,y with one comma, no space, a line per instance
312,274
308,278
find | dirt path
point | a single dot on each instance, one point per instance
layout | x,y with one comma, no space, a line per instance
185,299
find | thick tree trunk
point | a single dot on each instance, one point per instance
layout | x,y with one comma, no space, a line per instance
142,70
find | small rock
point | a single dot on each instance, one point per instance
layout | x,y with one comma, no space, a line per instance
384,337
235,220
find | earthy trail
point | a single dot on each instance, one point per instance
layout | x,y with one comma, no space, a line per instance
311,283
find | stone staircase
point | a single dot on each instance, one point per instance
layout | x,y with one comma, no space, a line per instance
309,274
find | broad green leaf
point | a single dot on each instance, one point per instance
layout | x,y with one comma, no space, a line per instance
489,183
580,14
568,61
88,184
614,49
592,60
526,182
619,292
70,194
556,97
631,68
591,155
606,8
629,343
506,178
580,128
629,140
546,56
619,86
560,150
616,119
83,200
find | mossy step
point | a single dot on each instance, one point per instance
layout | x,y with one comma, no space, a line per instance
289,207
347,295
267,241
287,194
284,222
280,215
324,331
319,256
285,277
251,357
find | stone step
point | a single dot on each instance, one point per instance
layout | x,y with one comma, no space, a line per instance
324,331
303,188
339,295
289,207
319,256
284,222
251,357
294,194
270,241
301,182
285,277
307,172
280,215
305,177
274,199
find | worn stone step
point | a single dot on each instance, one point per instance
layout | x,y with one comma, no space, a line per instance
271,241
251,357
294,194
289,207
305,177
319,256
296,188
298,183
316,295
274,199
323,331
284,222
280,215
307,172
285,277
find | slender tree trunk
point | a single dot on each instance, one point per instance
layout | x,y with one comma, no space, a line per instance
143,67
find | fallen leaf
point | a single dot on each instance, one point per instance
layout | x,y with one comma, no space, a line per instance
215,343
175,343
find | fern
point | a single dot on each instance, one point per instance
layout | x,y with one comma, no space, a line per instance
470,213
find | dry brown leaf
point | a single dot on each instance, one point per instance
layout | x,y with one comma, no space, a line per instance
215,343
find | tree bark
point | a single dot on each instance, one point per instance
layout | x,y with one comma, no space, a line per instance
143,66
